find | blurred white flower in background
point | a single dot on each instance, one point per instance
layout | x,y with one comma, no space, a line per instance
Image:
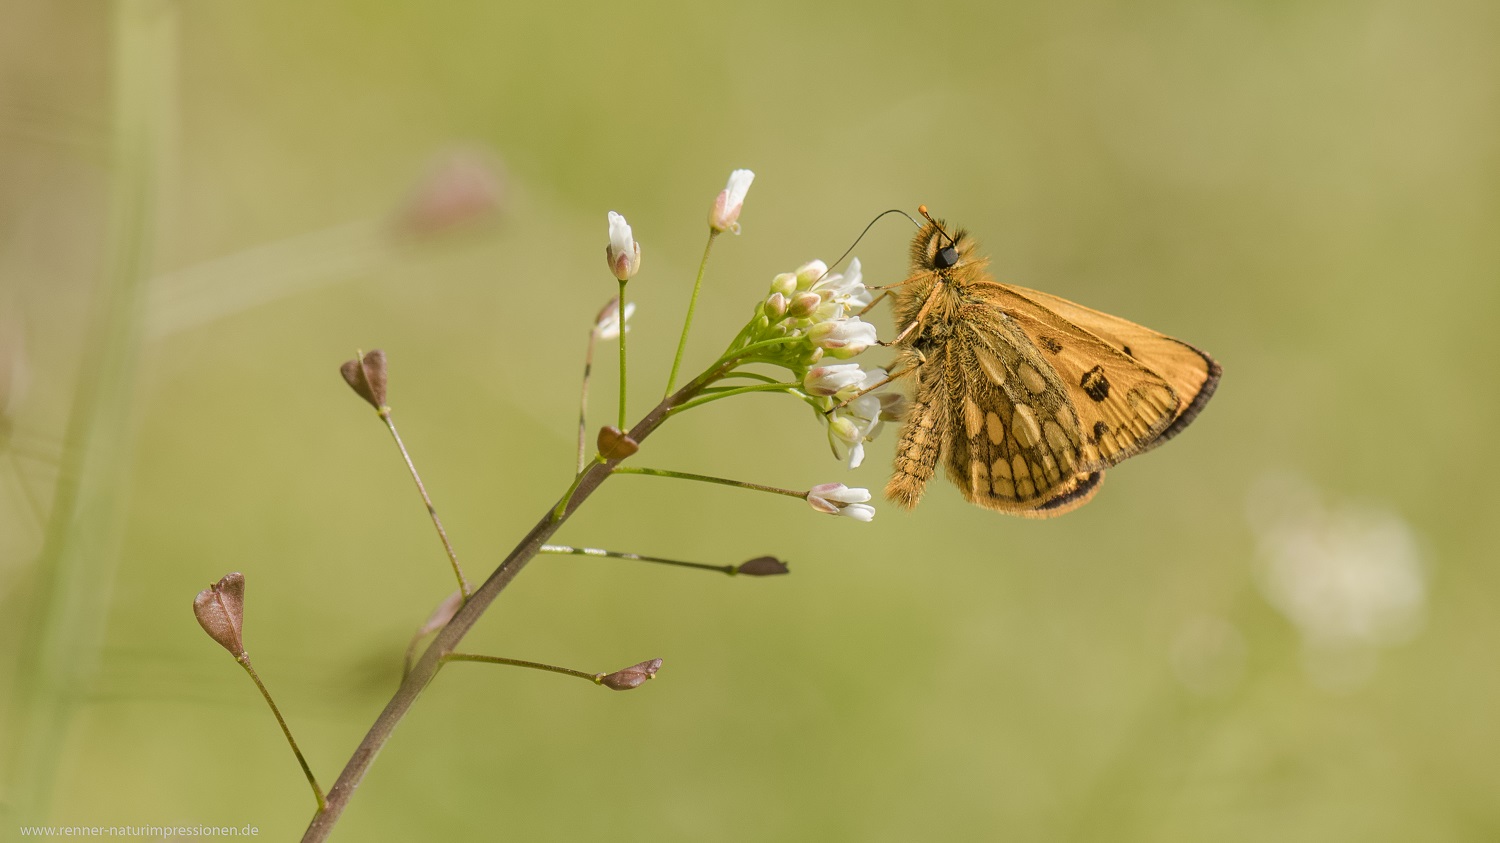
1349,577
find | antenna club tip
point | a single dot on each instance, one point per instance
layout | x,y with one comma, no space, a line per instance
922,209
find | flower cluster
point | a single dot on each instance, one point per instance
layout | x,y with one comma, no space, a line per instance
809,319
809,323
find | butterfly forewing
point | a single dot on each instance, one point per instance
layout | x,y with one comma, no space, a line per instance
1191,373
1120,405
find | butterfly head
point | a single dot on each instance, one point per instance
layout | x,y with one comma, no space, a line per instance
938,248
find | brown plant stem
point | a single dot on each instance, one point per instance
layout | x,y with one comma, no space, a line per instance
448,638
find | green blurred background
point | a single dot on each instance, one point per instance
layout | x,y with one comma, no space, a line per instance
1280,627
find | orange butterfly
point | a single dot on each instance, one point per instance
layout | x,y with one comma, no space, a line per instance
1027,395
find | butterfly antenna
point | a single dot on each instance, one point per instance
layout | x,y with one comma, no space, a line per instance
922,209
862,236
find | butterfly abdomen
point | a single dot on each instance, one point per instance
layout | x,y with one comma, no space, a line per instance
921,443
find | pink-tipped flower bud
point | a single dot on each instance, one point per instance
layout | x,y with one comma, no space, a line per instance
785,284
366,376
776,306
725,214
808,273
804,305
762,566
631,677
220,610
623,252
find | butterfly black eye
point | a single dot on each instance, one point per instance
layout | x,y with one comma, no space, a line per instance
945,257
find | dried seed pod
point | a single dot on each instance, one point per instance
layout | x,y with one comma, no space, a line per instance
762,566
220,610
615,444
630,677
366,376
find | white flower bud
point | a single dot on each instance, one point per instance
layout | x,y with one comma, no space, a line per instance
809,272
725,214
623,253
785,284
803,305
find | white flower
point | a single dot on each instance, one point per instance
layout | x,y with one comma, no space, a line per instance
1349,577
843,338
838,499
607,323
725,214
859,512
846,289
623,253
827,381
851,426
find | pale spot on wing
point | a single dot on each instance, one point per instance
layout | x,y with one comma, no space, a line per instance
1024,427
991,365
1004,488
1066,418
1049,467
1031,378
996,429
1039,477
978,476
1001,468
973,418
1024,487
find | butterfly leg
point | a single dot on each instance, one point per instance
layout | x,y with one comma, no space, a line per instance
894,376
871,306
932,299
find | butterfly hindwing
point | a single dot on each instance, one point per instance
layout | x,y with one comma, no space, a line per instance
1014,444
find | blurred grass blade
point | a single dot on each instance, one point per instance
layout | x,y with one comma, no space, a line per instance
77,564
